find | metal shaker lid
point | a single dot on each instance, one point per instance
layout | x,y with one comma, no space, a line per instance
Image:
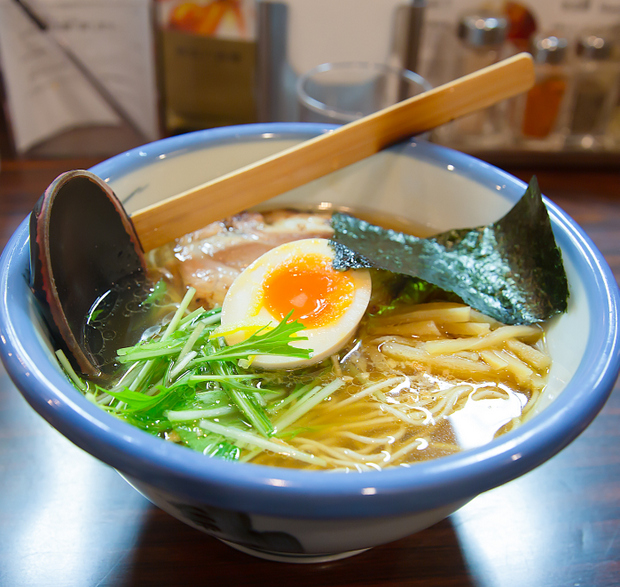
594,47
482,29
550,49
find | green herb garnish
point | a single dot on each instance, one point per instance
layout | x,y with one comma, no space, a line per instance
186,383
159,291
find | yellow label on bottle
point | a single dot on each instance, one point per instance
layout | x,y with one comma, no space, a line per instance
206,81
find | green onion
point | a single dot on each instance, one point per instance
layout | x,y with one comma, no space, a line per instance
183,375
258,441
157,294
306,404
70,371
248,405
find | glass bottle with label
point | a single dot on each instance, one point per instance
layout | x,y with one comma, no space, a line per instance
542,121
481,43
206,63
594,93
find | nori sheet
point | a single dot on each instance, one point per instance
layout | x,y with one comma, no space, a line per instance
511,270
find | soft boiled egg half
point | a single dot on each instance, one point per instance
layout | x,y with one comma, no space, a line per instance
297,276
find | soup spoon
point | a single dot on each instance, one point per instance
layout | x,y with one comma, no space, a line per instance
83,242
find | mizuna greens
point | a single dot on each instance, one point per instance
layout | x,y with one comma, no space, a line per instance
186,382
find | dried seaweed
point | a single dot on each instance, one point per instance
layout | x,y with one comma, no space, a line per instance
511,270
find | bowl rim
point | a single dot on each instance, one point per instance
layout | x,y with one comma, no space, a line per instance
279,492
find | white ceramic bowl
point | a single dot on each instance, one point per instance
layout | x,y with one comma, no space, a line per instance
311,516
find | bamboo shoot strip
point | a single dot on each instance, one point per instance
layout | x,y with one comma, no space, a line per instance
187,415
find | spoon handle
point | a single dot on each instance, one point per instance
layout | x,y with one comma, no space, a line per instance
231,193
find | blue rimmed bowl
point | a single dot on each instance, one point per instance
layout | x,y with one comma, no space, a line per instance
311,516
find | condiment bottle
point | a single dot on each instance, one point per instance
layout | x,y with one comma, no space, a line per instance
206,53
542,123
594,92
481,38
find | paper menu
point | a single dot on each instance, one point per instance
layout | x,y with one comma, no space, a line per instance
47,94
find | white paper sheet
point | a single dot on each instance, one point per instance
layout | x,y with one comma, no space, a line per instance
47,94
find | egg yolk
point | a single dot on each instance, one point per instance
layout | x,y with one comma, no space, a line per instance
308,285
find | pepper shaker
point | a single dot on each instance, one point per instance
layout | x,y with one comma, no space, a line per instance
594,92
481,38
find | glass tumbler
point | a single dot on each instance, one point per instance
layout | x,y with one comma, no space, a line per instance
338,93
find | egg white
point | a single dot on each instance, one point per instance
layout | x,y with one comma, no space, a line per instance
242,308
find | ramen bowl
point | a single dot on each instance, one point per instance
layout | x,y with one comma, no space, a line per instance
305,516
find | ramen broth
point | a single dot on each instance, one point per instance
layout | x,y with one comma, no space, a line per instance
401,404
416,382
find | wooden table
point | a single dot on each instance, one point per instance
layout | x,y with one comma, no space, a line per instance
68,520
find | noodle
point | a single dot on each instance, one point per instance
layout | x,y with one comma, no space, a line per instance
403,414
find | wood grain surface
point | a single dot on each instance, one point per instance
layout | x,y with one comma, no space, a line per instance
68,520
